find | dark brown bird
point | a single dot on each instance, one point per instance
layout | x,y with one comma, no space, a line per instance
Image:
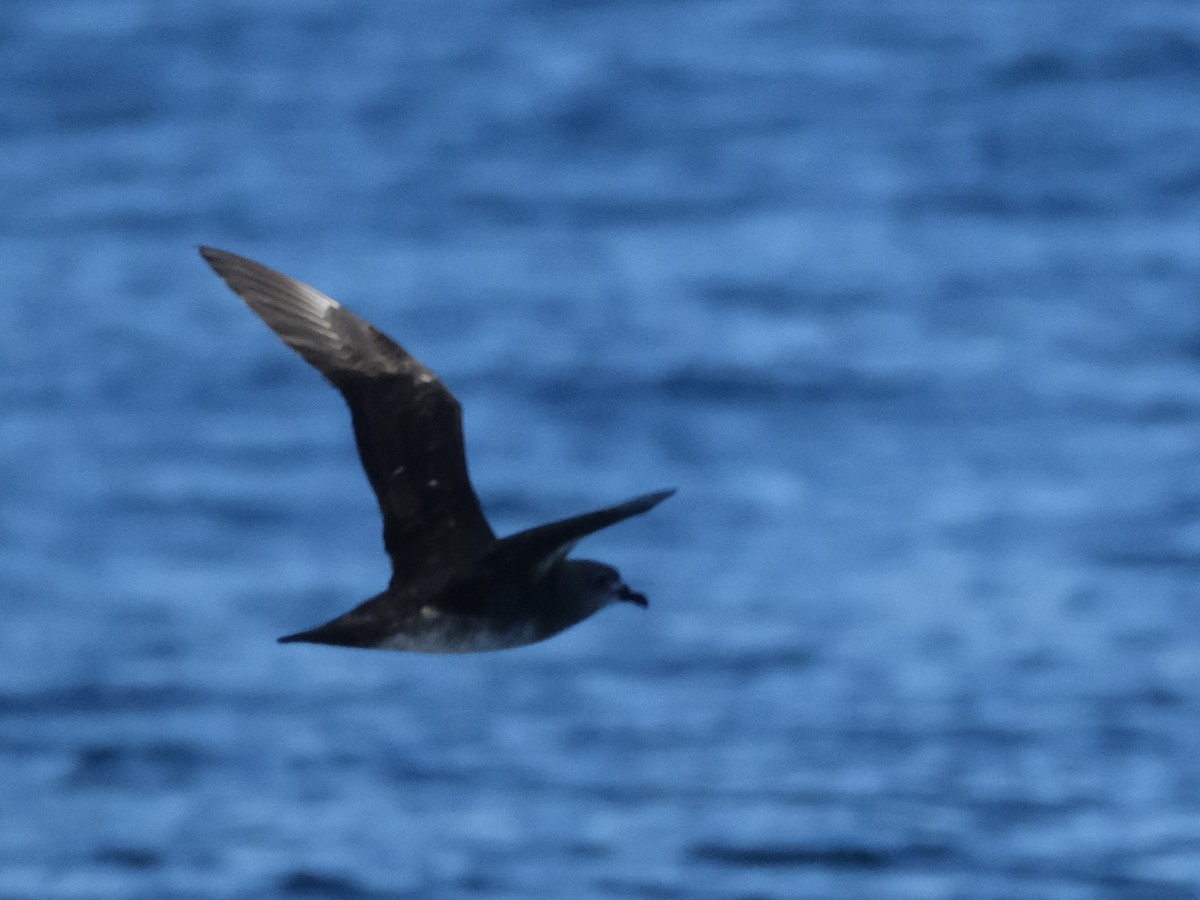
455,587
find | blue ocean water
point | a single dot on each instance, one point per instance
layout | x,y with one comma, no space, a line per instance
903,297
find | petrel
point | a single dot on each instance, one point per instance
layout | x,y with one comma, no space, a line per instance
455,587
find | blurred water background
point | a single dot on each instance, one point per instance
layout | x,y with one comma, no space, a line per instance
903,297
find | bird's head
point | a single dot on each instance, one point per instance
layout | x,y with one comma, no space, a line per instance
596,585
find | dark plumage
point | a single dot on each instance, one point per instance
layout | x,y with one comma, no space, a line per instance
454,587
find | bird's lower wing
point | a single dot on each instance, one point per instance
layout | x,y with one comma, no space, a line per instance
547,542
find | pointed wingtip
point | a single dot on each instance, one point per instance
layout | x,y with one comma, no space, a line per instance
218,259
649,501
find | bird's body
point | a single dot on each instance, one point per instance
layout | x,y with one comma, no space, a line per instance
455,587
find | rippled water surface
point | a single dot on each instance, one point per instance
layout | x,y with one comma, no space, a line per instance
904,298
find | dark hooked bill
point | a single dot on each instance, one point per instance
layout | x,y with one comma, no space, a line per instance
626,593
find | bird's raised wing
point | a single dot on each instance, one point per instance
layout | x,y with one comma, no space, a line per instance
407,425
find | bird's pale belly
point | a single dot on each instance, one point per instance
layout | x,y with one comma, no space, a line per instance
441,633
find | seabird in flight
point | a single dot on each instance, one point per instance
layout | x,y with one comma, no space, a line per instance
455,587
